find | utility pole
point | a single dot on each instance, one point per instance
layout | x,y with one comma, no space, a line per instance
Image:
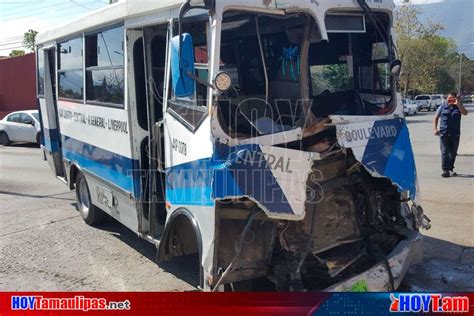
460,74
460,69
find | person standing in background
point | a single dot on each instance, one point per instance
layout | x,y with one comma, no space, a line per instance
447,125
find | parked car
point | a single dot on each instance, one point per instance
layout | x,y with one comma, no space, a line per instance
468,99
438,100
425,102
409,107
21,126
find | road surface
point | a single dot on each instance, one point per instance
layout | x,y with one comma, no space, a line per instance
44,244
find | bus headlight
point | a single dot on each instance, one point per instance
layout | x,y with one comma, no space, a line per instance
223,81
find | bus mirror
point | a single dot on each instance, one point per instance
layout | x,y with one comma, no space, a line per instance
396,68
182,65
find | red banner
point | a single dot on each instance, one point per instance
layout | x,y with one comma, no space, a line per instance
197,303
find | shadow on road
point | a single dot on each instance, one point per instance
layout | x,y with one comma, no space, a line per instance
468,176
185,268
37,196
446,267
415,121
24,145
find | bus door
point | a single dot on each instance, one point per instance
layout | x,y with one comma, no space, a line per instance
51,143
155,52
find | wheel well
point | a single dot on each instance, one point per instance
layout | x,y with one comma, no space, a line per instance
181,238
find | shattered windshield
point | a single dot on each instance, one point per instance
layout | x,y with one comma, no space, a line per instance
283,72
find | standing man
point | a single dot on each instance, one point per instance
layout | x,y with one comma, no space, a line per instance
448,116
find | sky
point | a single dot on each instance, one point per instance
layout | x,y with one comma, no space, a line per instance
18,16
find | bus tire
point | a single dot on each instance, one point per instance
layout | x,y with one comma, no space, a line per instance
4,139
92,215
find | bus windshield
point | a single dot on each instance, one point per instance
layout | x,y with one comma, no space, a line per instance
347,75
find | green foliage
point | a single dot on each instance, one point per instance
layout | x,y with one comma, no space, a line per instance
16,53
429,60
330,77
467,86
29,39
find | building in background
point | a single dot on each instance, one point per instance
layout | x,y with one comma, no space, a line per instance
17,84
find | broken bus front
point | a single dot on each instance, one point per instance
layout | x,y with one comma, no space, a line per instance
313,173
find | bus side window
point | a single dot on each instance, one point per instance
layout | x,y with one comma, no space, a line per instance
70,73
105,67
192,110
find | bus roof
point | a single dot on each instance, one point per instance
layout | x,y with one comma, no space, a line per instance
114,13
118,12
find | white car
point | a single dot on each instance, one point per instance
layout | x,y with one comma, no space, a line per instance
438,99
409,107
425,102
21,126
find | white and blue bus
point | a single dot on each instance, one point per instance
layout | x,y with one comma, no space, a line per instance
267,137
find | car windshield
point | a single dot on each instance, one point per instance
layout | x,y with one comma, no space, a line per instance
35,115
423,97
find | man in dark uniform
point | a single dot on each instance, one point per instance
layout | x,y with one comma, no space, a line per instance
449,129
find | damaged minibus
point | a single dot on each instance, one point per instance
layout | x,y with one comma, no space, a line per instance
266,137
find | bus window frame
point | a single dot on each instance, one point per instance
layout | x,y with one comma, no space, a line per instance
59,71
183,102
123,67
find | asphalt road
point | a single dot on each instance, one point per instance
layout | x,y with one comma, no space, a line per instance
449,203
45,245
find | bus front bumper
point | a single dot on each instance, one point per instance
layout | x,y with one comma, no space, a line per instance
377,279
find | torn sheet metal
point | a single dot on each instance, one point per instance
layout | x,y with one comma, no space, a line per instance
384,148
377,279
273,177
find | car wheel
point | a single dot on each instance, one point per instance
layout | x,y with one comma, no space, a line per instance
38,138
92,215
4,139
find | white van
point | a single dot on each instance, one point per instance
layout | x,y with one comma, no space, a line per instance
425,102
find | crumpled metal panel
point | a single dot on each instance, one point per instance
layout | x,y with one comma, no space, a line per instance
273,177
385,150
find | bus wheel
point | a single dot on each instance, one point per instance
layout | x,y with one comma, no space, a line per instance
90,214
4,140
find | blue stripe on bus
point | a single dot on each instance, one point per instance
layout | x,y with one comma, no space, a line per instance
110,166
190,183
392,156
190,196
51,140
224,176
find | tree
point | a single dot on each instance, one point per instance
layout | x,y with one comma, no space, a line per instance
29,39
425,55
16,53
467,74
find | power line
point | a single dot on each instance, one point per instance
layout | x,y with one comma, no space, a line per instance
61,9
2,46
27,5
18,40
60,6
81,5
15,14
13,48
